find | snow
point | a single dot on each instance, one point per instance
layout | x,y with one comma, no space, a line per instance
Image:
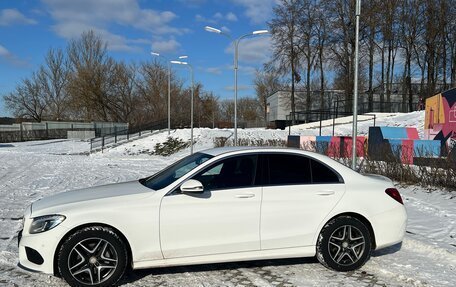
31,170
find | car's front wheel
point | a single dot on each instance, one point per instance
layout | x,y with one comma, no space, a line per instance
344,244
93,256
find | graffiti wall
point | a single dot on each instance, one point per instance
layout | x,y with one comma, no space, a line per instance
440,118
400,143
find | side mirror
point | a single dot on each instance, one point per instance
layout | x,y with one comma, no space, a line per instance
192,186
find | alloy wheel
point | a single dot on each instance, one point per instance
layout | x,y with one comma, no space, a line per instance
346,245
92,261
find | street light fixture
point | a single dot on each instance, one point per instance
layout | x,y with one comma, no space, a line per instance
169,88
236,54
191,104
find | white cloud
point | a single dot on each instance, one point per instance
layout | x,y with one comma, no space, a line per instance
10,57
74,17
4,52
12,16
225,30
217,18
214,70
254,50
230,16
200,18
165,46
258,11
192,3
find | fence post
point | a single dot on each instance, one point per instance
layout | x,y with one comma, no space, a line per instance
102,143
374,119
22,136
47,131
91,141
115,134
320,122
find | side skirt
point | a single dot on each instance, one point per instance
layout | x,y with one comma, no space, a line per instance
307,251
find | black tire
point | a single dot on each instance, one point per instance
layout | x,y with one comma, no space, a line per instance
93,256
344,244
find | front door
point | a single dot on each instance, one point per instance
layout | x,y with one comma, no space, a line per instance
225,218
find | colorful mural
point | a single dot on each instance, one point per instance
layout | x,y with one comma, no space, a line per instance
440,118
383,143
400,143
332,146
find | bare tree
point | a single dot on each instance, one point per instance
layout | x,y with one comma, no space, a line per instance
284,28
90,83
266,83
28,100
53,78
307,42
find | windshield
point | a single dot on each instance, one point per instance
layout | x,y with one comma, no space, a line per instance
175,171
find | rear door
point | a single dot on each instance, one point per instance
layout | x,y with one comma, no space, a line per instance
299,192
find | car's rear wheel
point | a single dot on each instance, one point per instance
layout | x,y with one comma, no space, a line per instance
93,256
344,244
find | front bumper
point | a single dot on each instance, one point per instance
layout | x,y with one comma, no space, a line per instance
36,251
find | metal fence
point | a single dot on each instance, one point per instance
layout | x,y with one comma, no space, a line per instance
27,131
322,115
99,143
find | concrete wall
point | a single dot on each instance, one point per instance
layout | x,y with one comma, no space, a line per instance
82,135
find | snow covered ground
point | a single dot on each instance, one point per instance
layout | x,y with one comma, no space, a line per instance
31,170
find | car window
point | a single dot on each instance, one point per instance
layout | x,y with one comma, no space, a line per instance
288,169
233,172
175,171
323,174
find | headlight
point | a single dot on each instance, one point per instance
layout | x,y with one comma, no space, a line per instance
45,223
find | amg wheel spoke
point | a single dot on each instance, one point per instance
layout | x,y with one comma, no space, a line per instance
354,237
92,261
348,255
356,245
83,259
342,255
355,253
346,245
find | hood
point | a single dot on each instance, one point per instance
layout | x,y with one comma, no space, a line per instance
93,193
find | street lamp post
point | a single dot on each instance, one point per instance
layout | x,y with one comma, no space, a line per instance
236,54
169,88
355,87
191,104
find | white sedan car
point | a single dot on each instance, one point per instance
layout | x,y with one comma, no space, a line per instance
218,205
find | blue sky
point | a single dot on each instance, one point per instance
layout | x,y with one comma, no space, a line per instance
132,28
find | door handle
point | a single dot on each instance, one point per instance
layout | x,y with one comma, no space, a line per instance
325,192
246,195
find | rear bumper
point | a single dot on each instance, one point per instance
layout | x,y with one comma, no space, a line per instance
389,227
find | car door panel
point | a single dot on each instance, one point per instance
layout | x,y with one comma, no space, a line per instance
221,221
290,215
298,194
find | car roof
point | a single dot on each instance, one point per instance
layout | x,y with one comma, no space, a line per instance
235,149
232,149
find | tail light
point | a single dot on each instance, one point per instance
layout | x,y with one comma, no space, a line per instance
394,193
